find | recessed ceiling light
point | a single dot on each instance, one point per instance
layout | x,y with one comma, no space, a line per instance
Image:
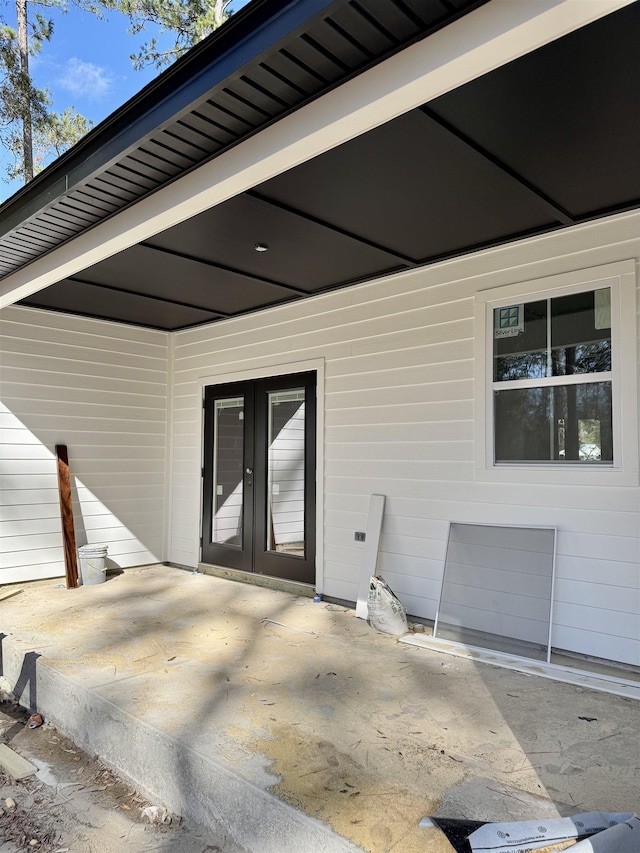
261,247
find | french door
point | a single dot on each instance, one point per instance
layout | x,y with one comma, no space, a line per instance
259,477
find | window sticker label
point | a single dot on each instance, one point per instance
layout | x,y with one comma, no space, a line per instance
509,321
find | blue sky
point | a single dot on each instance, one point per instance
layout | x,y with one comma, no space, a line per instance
85,65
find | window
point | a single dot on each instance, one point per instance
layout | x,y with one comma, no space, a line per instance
552,380
556,380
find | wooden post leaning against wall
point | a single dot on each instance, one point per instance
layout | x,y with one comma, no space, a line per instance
66,515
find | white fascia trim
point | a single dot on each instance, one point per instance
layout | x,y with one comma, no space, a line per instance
477,43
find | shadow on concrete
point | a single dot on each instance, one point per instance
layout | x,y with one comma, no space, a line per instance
26,684
312,705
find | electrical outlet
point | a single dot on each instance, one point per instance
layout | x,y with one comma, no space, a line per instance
359,536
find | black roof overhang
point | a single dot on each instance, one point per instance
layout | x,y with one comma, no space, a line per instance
502,157
268,60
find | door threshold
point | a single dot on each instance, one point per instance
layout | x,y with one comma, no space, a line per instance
296,587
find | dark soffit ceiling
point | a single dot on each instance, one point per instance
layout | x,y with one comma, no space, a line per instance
549,140
268,60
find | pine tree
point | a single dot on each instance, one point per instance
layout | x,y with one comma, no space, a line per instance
188,20
29,128
27,123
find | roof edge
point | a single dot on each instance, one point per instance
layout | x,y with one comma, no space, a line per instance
128,123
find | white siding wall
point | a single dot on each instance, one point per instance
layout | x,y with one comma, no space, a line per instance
399,420
101,389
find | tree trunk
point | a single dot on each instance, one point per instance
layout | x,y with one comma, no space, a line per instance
27,129
220,12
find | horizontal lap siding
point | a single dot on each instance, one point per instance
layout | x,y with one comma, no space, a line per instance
101,389
399,420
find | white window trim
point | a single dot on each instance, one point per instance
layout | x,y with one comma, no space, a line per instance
621,278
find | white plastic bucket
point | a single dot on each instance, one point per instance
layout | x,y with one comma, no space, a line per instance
93,563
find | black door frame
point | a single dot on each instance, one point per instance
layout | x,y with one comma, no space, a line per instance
251,554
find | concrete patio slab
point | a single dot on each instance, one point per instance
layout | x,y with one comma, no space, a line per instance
295,725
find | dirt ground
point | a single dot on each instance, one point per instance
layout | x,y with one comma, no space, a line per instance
75,804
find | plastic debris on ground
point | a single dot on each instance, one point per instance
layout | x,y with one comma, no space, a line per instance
156,814
590,832
386,612
6,690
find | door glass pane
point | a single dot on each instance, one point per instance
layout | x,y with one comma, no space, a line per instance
286,475
228,471
563,423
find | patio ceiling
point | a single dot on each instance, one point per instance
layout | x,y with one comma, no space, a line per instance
549,140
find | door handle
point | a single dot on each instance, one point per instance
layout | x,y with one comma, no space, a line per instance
249,470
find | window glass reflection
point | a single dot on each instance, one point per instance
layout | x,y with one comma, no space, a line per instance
569,423
228,471
563,336
286,472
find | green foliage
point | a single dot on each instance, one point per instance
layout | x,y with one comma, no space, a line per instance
53,134
188,20
16,88
29,129
61,131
